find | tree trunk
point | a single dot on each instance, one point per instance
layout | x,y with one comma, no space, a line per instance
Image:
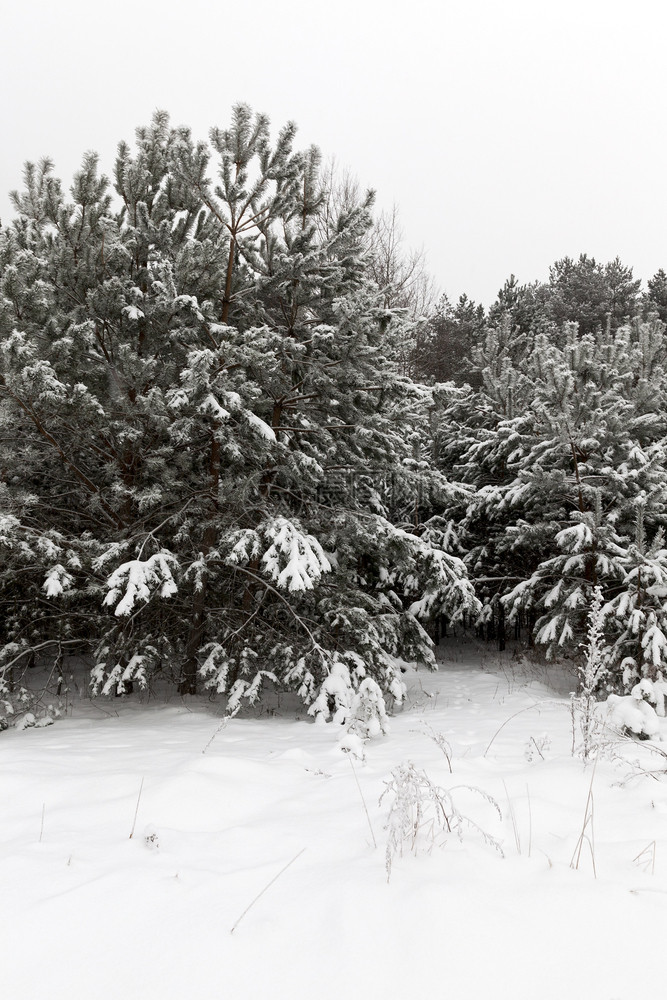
501,626
188,680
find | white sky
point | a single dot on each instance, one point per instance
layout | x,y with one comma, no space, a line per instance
508,133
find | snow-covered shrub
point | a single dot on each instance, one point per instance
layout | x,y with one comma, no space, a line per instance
29,721
336,694
352,745
653,692
422,813
634,713
368,714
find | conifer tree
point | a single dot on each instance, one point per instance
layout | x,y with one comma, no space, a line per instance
214,434
638,649
560,444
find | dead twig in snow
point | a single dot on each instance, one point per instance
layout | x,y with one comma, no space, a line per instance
646,858
515,828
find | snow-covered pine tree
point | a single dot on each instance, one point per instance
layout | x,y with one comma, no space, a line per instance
562,422
561,589
212,427
638,650
481,436
93,334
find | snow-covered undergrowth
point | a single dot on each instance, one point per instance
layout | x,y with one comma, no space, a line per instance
90,912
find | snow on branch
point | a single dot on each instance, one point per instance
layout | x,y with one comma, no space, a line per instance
294,560
57,581
139,579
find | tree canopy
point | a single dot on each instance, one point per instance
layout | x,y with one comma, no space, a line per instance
212,459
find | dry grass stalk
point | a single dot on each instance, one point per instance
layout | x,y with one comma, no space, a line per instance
136,811
646,858
587,835
363,801
515,828
267,886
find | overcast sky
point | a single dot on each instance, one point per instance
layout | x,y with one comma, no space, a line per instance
508,133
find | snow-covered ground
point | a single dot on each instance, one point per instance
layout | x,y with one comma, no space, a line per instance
89,913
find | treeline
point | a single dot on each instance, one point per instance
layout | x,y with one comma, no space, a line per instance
557,427
240,446
595,296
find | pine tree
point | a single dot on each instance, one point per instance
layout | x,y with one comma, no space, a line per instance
638,650
656,297
446,344
562,588
590,294
214,433
558,446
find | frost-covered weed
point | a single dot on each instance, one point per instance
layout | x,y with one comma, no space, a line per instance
537,747
423,813
585,706
440,741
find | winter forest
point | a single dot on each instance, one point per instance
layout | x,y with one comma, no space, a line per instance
244,446
333,613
